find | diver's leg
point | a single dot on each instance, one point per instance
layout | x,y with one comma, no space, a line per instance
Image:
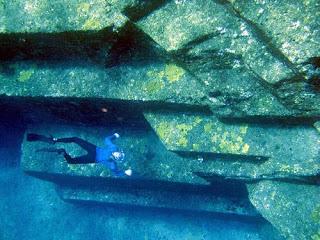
89,147
89,158
76,160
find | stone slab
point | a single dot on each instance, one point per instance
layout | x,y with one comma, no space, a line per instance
293,30
194,22
229,46
292,208
285,149
237,93
59,16
293,27
227,55
201,200
124,67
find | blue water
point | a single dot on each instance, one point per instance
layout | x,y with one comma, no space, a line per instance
31,209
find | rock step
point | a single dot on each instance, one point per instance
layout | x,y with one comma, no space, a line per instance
90,65
60,16
155,198
284,149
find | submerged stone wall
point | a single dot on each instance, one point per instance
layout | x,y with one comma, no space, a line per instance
230,87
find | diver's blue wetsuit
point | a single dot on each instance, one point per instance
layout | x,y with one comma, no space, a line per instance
94,154
103,155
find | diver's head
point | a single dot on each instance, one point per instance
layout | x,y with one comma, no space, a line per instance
118,155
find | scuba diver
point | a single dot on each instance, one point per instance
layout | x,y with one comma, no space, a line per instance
109,155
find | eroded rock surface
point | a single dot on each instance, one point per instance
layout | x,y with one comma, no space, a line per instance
58,16
293,209
231,88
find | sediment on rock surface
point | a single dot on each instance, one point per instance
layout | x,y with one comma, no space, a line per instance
233,94
293,209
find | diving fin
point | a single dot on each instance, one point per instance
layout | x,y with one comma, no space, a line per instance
32,137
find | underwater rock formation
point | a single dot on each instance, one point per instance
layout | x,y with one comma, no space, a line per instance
43,16
159,175
230,87
292,30
292,208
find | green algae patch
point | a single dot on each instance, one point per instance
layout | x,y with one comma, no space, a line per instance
91,24
95,18
155,83
247,143
226,140
173,72
183,132
162,130
195,147
187,132
176,133
23,71
155,74
172,133
168,81
25,75
153,86
229,142
207,127
59,16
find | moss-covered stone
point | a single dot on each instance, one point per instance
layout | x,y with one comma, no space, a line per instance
298,157
220,48
173,72
59,16
289,207
224,52
192,24
25,75
291,26
154,80
292,30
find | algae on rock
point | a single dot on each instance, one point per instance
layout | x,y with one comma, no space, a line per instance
291,208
